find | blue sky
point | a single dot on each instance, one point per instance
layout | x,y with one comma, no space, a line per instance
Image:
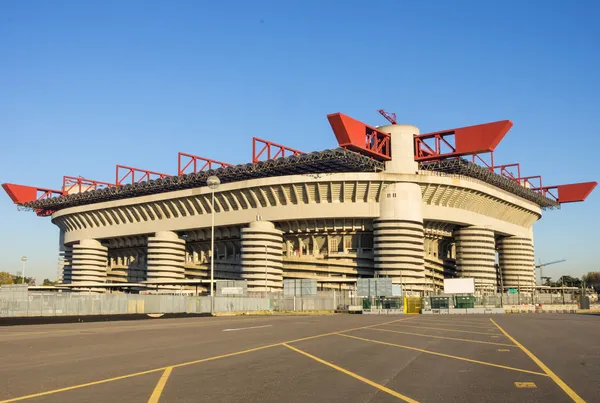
88,85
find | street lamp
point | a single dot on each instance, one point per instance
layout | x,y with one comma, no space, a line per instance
213,183
23,259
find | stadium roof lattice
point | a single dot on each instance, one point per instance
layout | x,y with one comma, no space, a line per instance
337,160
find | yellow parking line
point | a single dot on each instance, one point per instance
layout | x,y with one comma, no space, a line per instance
448,330
160,386
83,385
444,355
356,376
442,337
570,392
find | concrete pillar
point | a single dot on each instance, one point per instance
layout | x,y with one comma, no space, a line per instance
516,261
262,260
66,254
398,236
403,155
476,256
89,260
166,257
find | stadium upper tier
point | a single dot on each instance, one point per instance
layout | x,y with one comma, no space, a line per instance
364,148
329,161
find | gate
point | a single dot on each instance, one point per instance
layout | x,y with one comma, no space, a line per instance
412,304
440,305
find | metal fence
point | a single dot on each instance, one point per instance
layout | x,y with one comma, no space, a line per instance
19,302
59,304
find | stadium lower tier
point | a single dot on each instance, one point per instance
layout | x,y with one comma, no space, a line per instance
335,252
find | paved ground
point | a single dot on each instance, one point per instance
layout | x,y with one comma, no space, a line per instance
341,358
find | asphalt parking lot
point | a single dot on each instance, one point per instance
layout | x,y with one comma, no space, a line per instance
338,358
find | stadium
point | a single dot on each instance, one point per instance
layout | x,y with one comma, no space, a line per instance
389,202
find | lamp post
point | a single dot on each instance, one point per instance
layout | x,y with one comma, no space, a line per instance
213,183
23,260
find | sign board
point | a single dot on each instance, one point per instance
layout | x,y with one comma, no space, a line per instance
374,287
232,291
300,287
512,290
396,290
231,287
459,286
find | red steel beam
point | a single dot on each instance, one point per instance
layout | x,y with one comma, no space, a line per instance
273,150
21,194
570,193
531,182
131,172
391,117
73,184
192,160
360,137
508,171
462,141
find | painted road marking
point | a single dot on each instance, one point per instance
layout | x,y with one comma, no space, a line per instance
503,350
442,337
570,392
83,385
356,376
525,385
447,330
444,355
245,328
160,386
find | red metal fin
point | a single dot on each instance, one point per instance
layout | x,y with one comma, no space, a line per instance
462,141
21,194
573,192
360,137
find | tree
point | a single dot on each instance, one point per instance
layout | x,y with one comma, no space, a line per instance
6,278
592,278
19,279
48,282
569,281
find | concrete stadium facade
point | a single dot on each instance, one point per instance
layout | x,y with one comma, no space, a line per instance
415,226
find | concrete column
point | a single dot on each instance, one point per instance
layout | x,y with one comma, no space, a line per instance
66,254
398,236
403,155
166,257
262,260
516,260
89,262
476,256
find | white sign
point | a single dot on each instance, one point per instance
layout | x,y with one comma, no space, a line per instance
459,286
232,291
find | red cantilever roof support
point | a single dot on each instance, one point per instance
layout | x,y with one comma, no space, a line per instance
571,193
182,165
131,173
462,141
273,150
362,138
72,184
21,194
